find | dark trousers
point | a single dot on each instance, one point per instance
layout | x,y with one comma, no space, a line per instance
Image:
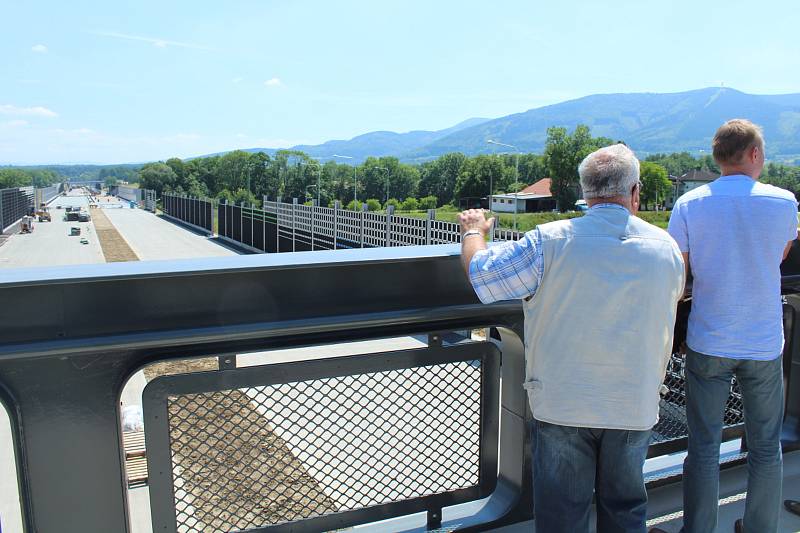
571,464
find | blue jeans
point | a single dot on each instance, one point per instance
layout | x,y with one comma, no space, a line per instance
572,463
708,383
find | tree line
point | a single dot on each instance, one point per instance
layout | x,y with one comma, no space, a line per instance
452,179
17,177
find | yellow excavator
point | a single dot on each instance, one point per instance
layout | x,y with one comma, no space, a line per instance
44,214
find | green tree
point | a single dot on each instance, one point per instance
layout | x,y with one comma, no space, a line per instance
243,196
676,164
410,204
427,202
354,206
477,175
178,167
159,177
655,183
226,195
373,204
14,177
438,178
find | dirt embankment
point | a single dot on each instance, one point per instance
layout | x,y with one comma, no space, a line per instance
115,247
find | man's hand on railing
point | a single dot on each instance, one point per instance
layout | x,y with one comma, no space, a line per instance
474,229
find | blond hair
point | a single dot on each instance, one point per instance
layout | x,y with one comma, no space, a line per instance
733,139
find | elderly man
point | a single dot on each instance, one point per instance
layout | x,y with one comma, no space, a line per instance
599,295
734,233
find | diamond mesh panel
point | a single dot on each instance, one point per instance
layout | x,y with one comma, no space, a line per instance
260,456
672,417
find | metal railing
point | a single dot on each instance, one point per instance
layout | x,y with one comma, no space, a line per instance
329,423
69,422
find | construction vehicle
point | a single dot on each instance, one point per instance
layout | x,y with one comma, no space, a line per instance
26,224
44,214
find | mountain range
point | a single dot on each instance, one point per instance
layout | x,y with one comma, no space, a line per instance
647,122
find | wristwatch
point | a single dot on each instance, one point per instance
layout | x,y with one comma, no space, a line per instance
471,232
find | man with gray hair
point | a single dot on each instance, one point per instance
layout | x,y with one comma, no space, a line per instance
599,294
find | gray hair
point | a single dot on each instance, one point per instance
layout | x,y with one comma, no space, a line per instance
609,172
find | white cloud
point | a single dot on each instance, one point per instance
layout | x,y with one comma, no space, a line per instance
35,111
236,80
16,123
155,41
39,49
241,136
273,82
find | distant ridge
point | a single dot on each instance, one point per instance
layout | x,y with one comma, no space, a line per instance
648,122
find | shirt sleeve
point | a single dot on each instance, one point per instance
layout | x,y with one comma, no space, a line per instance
792,223
508,271
677,228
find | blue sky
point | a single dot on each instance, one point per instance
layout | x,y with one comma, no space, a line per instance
113,82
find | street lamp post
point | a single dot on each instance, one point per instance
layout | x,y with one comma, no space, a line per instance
355,169
319,181
387,181
516,177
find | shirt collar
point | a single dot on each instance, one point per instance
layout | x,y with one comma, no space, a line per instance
608,206
735,177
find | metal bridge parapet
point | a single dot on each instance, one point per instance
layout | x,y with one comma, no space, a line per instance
439,430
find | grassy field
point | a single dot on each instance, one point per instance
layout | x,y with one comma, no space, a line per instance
527,221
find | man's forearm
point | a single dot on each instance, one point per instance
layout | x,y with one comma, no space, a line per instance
469,245
474,229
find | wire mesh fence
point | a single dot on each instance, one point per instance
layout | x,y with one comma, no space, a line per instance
672,415
252,457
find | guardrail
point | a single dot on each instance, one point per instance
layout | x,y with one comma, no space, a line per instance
63,365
